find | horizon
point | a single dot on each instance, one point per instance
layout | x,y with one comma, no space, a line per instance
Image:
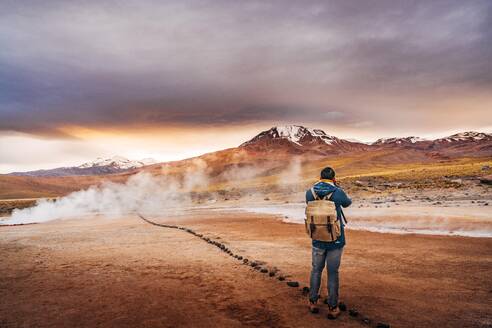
160,160
174,80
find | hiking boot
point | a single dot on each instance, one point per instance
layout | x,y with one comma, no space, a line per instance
313,306
333,312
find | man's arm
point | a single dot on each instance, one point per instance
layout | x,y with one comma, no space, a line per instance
340,197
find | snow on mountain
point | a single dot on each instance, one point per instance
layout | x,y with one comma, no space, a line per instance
294,133
100,166
466,136
398,141
118,162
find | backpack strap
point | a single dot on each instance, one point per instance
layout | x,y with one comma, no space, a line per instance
328,196
315,195
343,215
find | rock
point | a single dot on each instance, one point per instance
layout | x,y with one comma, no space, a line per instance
264,270
485,204
486,180
239,257
457,181
281,278
359,183
245,261
382,325
366,320
330,316
292,284
486,168
271,273
253,264
353,312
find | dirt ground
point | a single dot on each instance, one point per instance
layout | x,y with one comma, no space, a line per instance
126,273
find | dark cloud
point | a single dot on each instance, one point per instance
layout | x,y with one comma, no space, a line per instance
113,63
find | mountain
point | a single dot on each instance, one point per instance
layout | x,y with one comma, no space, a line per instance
117,162
299,139
398,141
100,166
469,143
470,136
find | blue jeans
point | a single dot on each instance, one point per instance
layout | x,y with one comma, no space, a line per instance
330,258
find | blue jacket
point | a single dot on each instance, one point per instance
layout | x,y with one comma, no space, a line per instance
341,200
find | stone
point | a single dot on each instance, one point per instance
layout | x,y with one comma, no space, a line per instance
271,273
245,261
239,257
264,270
281,278
292,284
353,312
486,168
382,325
486,180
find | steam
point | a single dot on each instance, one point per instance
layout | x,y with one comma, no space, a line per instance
292,174
142,192
166,193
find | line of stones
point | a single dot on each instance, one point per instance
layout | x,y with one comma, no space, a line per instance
354,313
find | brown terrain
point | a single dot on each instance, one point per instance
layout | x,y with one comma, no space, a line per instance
128,273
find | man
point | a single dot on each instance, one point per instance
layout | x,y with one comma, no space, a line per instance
324,252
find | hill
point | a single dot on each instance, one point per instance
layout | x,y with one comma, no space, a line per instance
291,156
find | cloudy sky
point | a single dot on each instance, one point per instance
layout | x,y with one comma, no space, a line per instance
172,79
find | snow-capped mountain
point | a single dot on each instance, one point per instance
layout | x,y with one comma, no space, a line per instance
100,166
398,141
118,162
466,136
299,139
459,144
294,133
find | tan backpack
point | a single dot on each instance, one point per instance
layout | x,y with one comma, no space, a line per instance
321,219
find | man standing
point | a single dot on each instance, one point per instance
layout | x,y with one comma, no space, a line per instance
329,250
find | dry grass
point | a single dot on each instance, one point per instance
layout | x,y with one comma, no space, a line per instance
8,205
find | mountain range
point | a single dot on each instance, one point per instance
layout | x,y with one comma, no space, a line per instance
299,139
99,166
295,140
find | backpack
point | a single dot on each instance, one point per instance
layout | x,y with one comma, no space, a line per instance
321,221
